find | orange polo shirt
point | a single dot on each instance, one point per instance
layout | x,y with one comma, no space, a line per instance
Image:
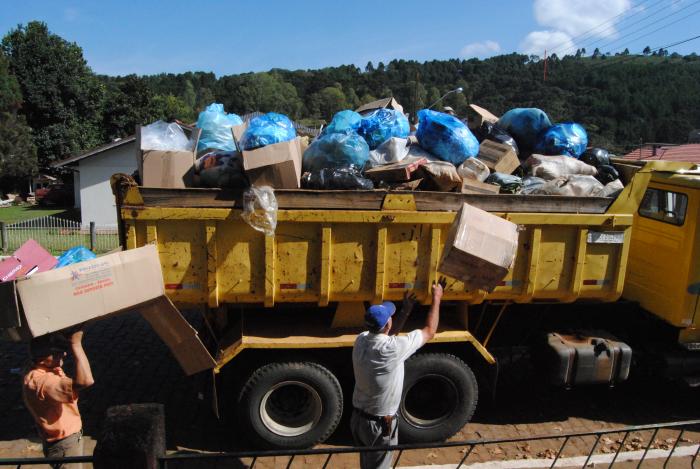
49,396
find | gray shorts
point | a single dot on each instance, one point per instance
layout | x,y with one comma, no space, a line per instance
72,445
368,432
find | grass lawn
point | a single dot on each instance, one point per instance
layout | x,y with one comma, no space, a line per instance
17,213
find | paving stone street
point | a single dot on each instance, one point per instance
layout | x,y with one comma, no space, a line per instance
132,365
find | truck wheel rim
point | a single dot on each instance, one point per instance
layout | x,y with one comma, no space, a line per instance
291,408
429,401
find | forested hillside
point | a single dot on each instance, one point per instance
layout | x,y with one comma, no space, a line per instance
61,106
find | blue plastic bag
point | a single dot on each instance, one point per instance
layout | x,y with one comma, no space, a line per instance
216,128
336,150
379,126
446,137
344,121
568,138
525,125
74,255
267,129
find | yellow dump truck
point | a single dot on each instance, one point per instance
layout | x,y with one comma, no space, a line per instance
282,312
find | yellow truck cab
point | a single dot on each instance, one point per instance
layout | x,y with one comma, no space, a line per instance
663,269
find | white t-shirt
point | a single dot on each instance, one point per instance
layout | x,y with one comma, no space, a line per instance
377,361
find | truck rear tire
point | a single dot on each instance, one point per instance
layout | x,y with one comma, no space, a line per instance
439,397
291,405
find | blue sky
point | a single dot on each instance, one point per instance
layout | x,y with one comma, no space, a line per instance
122,37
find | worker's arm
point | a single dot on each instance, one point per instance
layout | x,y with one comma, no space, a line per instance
431,322
83,374
409,301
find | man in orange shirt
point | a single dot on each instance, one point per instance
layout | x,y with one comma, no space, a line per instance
52,397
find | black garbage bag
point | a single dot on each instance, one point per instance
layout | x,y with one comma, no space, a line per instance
607,174
491,131
349,177
596,157
222,169
509,184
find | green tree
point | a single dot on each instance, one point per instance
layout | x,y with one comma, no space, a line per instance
647,50
330,100
17,151
126,105
62,97
170,108
189,96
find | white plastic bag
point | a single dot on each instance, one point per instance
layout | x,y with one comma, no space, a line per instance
551,167
166,137
574,185
473,168
260,209
391,151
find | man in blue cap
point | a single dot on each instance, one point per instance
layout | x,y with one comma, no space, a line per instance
377,359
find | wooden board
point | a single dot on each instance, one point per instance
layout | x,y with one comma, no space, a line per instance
302,199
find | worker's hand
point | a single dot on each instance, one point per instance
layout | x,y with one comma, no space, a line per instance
76,337
409,301
438,288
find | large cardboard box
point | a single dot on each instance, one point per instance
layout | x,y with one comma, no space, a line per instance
472,186
50,301
480,248
170,169
277,165
499,157
383,103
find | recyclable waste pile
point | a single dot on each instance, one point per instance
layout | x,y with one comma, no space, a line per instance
520,152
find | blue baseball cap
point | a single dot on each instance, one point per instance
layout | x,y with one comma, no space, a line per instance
377,316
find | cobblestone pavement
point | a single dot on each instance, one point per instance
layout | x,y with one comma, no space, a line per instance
132,365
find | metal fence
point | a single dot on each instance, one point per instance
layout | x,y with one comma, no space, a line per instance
633,446
57,234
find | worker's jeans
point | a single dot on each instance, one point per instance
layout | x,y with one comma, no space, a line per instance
366,432
72,445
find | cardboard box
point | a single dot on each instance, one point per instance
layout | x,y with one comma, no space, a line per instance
277,165
237,131
472,186
50,301
170,169
383,103
30,258
498,157
396,172
480,248
478,115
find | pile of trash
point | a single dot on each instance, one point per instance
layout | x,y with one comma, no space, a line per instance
522,152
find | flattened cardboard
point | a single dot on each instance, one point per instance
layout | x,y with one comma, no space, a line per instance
180,337
168,169
277,165
480,248
396,172
31,257
479,116
499,157
472,186
383,103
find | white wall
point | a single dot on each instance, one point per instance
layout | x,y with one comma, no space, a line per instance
96,199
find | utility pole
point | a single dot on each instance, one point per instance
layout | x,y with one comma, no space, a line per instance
545,65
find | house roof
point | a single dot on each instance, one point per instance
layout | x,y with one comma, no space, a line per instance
689,152
94,151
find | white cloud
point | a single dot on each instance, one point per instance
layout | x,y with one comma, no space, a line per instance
576,17
537,42
480,49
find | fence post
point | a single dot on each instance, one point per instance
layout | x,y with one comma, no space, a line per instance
132,436
93,236
3,233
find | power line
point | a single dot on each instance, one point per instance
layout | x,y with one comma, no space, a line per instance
589,34
623,59
656,22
